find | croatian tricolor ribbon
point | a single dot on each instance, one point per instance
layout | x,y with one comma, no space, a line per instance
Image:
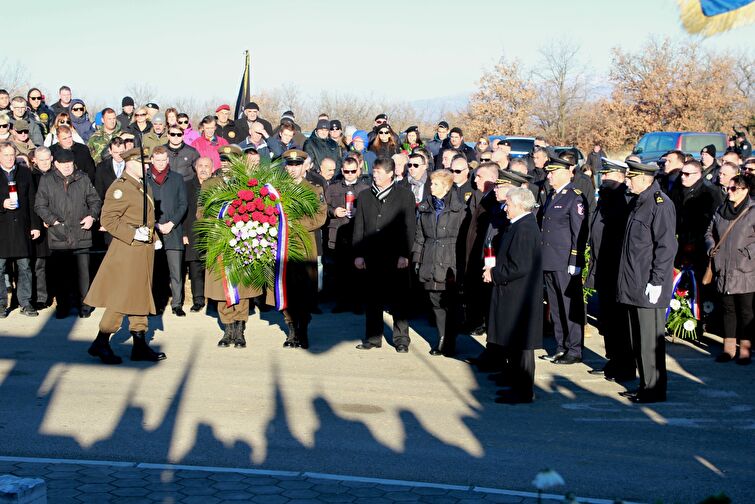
231,291
694,295
281,253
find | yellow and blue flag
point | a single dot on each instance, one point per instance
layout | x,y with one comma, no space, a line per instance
709,17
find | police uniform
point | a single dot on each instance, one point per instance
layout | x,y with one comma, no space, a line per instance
647,264
123,285
564,238
607,225
301,277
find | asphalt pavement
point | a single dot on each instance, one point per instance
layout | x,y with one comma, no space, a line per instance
371,414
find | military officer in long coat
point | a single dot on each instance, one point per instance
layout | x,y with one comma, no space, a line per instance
233,316
123,285
646,276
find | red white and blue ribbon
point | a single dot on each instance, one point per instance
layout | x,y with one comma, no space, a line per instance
693,294
281,253
231,291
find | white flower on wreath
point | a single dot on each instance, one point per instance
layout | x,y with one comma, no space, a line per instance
272,232
708,306
255,243
239,224
689,325
233,242
265,225
675,304
264,242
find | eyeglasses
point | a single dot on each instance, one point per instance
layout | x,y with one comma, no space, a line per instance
414,165
483,159
4,126
457,171
78,109
689,173
734,188
23,132
140,115
175,134
63,122
183,122
350,172
335,129
35,98
385,133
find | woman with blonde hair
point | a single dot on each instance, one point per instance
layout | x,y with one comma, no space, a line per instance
62,119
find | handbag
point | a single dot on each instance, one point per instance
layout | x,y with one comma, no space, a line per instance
708,275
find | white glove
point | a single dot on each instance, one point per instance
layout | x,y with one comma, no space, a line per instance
653,292
574,270
158,244
142,234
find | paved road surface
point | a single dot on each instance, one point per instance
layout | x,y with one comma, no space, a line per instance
371,414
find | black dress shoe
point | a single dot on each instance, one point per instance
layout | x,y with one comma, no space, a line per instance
642,398
366,346
478,331
196,307
598,372
621,378
551,358
435,352
179,312
402,349
724,357
567,359
628,393
744,361
29,311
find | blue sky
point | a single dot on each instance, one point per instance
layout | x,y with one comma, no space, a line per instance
395,50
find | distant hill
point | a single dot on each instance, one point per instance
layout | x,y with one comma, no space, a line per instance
433,109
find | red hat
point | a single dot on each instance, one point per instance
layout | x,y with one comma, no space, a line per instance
223,107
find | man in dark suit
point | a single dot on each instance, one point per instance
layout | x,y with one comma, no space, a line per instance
111,168
171,205
383,236
564,240
516,316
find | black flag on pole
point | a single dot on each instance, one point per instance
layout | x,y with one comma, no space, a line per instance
245,89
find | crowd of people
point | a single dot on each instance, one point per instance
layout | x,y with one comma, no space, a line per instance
484,236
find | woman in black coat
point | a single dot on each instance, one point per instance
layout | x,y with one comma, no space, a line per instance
434,253
516,306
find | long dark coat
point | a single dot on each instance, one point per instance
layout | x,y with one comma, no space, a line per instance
435,241
192,187
170,206
16,225
516,306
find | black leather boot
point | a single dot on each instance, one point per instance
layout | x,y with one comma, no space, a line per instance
240,341
101,348
291,341
228,335
140,351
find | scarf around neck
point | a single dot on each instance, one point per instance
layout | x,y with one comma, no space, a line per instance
159,177
382,194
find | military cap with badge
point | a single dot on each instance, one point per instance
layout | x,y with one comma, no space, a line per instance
294,157
227,151
610,165
508,177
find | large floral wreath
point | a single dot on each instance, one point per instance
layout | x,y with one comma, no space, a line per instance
250,227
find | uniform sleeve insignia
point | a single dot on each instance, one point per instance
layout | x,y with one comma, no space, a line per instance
577,191
580,209
709,176
658,198
563,192
231,134
117,194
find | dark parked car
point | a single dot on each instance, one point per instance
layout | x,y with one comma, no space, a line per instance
655,144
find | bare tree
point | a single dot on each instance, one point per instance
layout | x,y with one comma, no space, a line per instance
562,89
141,92
14,77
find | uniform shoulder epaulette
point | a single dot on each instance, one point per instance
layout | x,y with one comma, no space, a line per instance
658,198
577,191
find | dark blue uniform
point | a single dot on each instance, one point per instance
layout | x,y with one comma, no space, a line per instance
647,257
564,239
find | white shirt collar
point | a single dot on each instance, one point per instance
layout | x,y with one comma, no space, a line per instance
519,217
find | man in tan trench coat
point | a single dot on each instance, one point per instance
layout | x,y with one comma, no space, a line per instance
123,285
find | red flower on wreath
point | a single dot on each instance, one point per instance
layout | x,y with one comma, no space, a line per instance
237,218
257,216
241,209
259,204
229,222
276,211
245,217
272,196
264,191
269,210
253,182
682,293
250,206
231,211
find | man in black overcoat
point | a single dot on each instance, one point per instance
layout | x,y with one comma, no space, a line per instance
384,227
515,322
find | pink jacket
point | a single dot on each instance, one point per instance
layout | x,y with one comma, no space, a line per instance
209,148
190,135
